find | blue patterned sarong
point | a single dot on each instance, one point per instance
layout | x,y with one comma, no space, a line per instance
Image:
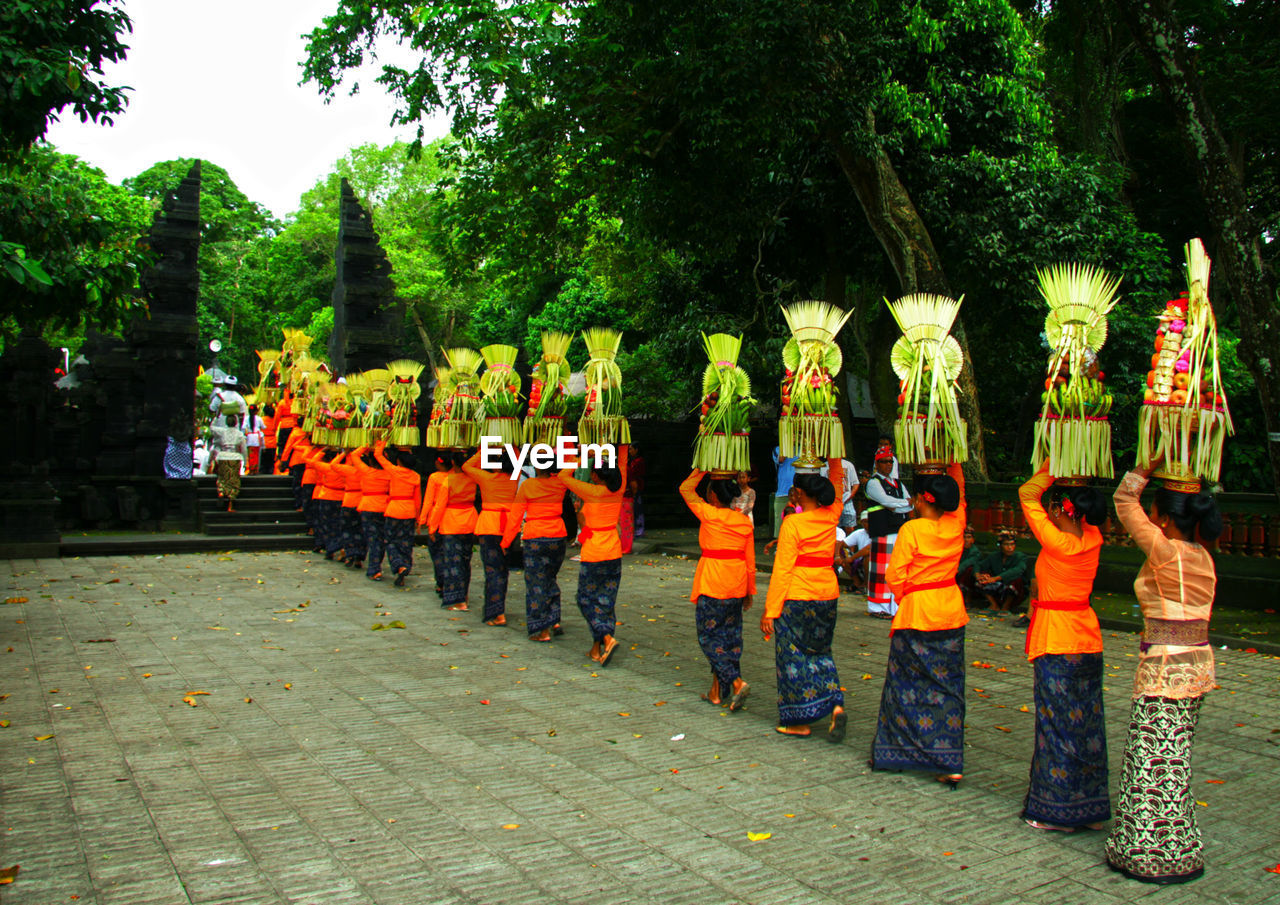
921,724
398,538
372,528
719,624
808,684
542,559
1069,766
353,545
453,567
495,576
598,595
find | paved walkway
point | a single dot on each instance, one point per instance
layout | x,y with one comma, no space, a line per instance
448,762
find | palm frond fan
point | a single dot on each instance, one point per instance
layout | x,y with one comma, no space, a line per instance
928,431
439,395
334,414
357,432
459,425
724,433
501,387
402,401
602,420
1073,434
377,413
315,386
1184,412
549,393
809,426
268,389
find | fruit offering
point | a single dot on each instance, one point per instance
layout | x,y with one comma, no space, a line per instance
722,446
927,359
809,426
549,393
602,420
501,387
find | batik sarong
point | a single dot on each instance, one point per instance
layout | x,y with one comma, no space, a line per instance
598,595
329,518
453,568
228,471
879,597
719,623
301,492
372,528
267,461
495,576
1069,766
397,536
921,723
627,524
178,459
1155,835
353,545
434,546
808,684
542,559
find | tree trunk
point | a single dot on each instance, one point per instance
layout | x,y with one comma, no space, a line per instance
1236,243
897,224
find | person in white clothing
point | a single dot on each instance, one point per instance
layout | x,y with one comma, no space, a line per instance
889,507
848,513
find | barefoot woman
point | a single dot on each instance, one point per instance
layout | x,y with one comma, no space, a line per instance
801,610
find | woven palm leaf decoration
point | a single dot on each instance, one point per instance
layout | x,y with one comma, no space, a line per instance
809,425
929,431
1073,434
602,420
1184,414
439,396
722,445
402,401
501,387
376,418
549,393
334,413
269,376
459,428
357,433
314,386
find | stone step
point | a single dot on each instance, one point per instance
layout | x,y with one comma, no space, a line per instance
249,529
252,503
249,516
158,544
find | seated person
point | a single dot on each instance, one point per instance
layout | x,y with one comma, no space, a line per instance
852,550
969,560
1002,576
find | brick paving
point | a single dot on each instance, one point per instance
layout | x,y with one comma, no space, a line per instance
448,762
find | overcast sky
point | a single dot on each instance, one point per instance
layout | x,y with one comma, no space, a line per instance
218,80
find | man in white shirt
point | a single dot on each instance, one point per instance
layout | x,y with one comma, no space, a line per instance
848,514
889,505
226,400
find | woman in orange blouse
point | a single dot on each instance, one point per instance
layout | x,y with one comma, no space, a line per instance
1068,786
921,722
497,493
538,506
435,486
353,545
452,519
375,486
800,609
601,568
331,487
1155,837
724,586
404,502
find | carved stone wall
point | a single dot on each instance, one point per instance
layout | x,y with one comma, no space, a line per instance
368,319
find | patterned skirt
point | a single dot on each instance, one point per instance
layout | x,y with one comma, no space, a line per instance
1155,836
719,623
1069,766
372,528
808,685
627,524
397,536
453,567
495,576
353,545
598,595
228,471
329,516
542,559
178,459
879,597
921,722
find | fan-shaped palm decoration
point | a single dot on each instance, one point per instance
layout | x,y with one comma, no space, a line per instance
313,392
402,401
296,345
549,394
357,432
459,426
1073,433
1184,413
501,387
602,420
376,417
439,396
809,426
927,359
269,376
722,446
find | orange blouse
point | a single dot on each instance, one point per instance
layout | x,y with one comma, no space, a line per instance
1065,571
601,509
375,485
333,485
311,473
453,509
543,500
727,568
403,497
285,418
351,476
922,570
497,493
802,568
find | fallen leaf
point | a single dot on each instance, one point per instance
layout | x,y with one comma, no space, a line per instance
1002,669
146,675
197,692
865,676
678,737
484,700
1025,709
659,703
248,700
947,854
788,815
623,713
15,600
759,837
1203,804
216,628
288,685
1215,782
187,699
396,624
1004,729
44,738
377,627
9,874
1270,870
4,724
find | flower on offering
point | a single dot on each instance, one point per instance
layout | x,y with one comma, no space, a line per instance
501,387
402,401
1073,433
459,426
1184,413
809,426
332,415
722,445
313,391
602,420
270,375
549,394
929,431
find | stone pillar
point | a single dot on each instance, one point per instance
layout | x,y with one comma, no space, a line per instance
368,319
28,505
